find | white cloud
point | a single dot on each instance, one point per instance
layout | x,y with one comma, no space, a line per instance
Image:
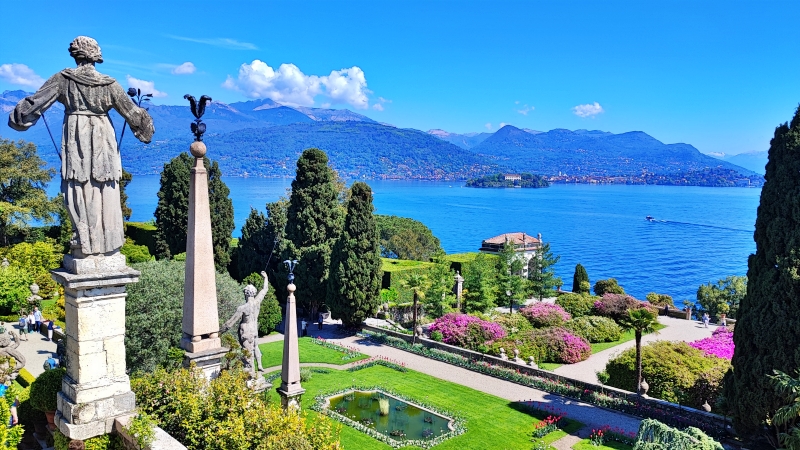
289,85
377,107
147,87
325,105
502,124
20,74
186,68
230,44
588,110
383,100
488,126
525,109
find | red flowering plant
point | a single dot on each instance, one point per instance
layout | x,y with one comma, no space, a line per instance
466,331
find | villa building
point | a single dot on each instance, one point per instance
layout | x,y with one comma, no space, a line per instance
526,246
512,177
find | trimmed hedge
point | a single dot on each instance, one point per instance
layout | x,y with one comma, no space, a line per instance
142,233
675,372
595,328
577,305
25,378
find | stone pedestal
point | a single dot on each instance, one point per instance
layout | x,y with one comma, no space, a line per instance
200,316
96,388
290,389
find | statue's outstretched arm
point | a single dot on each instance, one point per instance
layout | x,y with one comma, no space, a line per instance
30,109
260,297
230,322
138,119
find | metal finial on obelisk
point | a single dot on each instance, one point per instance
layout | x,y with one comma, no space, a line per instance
290,389
200,317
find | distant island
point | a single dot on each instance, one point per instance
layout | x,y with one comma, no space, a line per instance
509,180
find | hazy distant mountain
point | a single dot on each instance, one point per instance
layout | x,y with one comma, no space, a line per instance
264,138
754,161
598,153
465,141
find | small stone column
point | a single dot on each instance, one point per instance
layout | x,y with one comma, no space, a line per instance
96,388
459,289
290,389
200,316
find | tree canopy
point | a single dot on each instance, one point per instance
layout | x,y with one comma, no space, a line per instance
23,179
609,286
580,280
404,238
172,212
722,297
541,272
355,281
767,333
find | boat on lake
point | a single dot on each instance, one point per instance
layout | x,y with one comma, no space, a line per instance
650,219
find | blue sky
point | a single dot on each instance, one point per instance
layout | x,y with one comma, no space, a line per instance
719,75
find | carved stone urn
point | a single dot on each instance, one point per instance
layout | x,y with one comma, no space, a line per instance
643,387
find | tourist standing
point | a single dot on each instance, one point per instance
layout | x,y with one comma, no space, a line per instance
321,318
723,320
706,319
31,322
303,325
23,323
37,316
14,419
50,330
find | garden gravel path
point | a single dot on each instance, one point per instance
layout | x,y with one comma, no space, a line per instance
676,330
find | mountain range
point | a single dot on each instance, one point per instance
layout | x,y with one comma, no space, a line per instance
264,138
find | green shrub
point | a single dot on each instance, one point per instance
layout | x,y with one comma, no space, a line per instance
654,435
135,253
660,300
154,312
141,429
45,389
142,233
609,286
14,289
37,259
102,442
225,414
305,374
675,372
595,328
437,336
577,305
513,323
9,437
27,414
554,344
25,378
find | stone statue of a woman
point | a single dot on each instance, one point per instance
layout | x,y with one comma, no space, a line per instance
90,161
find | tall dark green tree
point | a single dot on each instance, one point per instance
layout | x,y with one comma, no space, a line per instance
261,235
767,333
579,278
313,222
172,212
355,281
126,179
509,275
480,283
541,273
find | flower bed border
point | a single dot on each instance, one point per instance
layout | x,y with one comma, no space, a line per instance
603,396
456,422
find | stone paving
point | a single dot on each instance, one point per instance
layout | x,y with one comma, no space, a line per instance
36,350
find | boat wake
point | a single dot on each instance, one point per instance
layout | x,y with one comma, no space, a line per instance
674,222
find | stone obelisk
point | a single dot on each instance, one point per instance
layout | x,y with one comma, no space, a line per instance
200,317
290,389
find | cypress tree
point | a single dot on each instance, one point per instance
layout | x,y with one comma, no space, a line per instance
172,211
767,333
313,223
259,235
579,277
354,284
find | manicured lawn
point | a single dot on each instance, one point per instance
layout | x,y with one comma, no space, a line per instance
491,422
272,353
586,444
571,427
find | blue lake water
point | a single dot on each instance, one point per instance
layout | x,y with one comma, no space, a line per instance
706,235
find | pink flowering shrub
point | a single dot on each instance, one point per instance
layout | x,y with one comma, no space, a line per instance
542,315
466,331
720,344
552,344
616,306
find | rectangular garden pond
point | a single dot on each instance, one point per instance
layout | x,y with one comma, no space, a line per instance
390,416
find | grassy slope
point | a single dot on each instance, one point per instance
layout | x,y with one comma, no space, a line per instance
272,353
491,422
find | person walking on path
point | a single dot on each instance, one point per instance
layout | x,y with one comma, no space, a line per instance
706,319
37,316
319,323
23,323
304,327
50,330
723,320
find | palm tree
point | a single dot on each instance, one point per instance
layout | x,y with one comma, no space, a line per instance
640,321
418,283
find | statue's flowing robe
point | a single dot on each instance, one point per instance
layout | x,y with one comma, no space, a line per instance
90,161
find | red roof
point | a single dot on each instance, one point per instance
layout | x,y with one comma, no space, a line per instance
514,238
